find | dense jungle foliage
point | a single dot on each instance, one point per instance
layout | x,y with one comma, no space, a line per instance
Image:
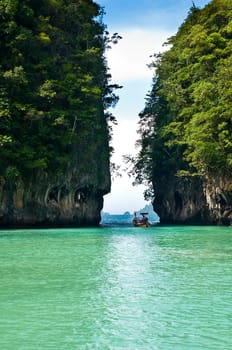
186,125
54,83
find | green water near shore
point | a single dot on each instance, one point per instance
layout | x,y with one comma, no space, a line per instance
161,288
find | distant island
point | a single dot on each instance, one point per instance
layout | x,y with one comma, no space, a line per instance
126,217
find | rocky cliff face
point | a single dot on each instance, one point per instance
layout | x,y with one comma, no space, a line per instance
74,198
193,200
218,197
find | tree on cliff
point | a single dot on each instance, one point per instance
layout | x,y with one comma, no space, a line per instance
54,83
186,125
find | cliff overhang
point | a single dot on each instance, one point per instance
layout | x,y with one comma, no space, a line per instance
194,200
71,200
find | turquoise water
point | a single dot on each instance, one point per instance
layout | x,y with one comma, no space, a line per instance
160,288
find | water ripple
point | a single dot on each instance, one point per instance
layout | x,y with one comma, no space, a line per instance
162,288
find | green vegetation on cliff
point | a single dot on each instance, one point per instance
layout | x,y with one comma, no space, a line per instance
54,84
186,125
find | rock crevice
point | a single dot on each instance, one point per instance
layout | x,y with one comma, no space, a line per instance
194,200
69,200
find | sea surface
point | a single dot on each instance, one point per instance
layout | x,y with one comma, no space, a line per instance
156,288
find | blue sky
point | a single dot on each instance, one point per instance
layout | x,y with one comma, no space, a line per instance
144,25
168,14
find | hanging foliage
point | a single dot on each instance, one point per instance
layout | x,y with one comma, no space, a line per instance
190,104
54,82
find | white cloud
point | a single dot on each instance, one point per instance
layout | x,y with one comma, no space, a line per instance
124,197
129,58
125,136
128,66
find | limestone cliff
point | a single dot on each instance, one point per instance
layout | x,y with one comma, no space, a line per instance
194,200
74,198
185,127
55,96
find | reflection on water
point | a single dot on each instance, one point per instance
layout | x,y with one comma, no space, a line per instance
116,288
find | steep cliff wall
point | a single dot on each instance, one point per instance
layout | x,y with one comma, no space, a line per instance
218,196
55,92
71,199
185,127
193,200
